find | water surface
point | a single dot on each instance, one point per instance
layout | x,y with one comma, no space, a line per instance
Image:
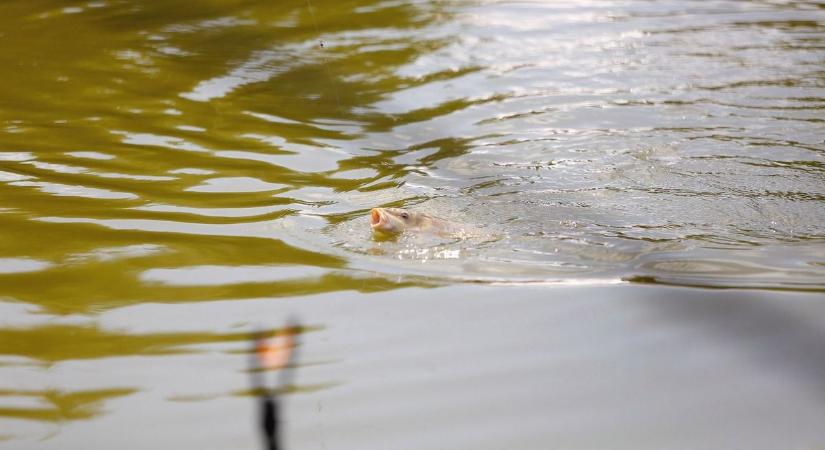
175,174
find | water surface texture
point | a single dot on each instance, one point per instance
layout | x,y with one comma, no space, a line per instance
174,174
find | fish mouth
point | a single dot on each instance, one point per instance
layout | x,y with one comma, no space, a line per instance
376,218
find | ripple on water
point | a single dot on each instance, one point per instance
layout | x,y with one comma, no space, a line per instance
221,275
236,184
91,155
16,156
22,265
12,177
114,253
215,212
63,190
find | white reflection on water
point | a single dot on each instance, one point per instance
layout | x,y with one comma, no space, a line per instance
265,229
127,176
159,141
75,170
300,159
59,168
63,190
213,212
22,265
115,253
272,118
10,177
16,156
623,367
235,184
219,275
261,66
192,171
91,155
191,128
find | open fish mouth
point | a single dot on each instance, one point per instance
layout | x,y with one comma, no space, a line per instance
376,218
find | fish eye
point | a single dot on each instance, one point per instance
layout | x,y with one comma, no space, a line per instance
405,216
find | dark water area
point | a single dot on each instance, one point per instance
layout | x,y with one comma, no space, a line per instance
648,178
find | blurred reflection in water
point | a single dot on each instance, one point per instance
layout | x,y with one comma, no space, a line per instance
272,354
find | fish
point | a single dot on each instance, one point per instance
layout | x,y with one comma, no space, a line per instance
394,221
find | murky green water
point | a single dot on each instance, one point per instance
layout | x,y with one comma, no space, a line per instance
174,174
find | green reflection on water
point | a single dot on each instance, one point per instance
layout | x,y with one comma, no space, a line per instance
124,81
62,405
53,343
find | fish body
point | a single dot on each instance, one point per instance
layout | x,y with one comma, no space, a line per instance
391,221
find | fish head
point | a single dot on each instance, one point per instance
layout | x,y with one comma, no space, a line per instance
393,220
